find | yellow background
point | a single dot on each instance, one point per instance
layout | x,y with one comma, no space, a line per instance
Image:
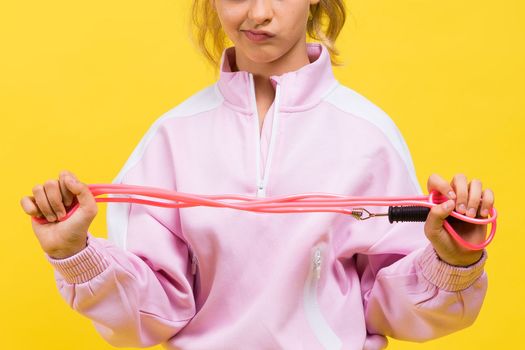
80,83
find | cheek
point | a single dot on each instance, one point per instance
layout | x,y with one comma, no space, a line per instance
231,17
293,28
293,18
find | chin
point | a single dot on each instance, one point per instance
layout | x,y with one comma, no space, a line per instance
259,53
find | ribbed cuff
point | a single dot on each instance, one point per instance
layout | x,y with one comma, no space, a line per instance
449,277
83,266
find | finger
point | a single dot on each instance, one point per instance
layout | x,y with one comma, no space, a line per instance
460,186
436,216
82,192
30,207
474,197
42,203
67,195
436,182
487,202
52,190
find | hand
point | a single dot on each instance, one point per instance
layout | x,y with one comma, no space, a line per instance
61,239
467,199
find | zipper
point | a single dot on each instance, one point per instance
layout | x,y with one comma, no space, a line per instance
194,263
194,266
317,263
261,183
324,334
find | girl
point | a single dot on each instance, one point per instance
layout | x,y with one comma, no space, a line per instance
275,123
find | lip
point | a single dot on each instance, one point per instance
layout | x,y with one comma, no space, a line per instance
257,35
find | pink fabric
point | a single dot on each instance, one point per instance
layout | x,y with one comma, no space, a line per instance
218,278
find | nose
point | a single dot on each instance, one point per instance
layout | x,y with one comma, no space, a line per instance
261,11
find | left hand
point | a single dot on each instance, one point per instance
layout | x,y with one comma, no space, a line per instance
467,199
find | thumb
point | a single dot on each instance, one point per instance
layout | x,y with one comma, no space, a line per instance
435,218
81,191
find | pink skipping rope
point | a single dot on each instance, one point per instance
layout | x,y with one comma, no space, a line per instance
306,202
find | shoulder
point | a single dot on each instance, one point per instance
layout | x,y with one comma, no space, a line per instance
358,106
202,101
199,103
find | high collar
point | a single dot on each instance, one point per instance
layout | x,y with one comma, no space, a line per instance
299,90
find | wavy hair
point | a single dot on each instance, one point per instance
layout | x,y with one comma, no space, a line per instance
325,21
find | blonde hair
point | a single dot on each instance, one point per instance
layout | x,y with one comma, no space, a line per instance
209,37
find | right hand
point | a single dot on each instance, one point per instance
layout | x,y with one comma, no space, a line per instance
61,239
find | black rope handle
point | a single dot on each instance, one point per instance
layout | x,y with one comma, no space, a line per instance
411,214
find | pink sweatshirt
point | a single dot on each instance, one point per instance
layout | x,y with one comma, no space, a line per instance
220,278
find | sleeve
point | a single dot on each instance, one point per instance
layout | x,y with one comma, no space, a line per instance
419,297
408,292
139,294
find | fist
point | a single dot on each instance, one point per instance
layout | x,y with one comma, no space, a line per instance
52,200
467,198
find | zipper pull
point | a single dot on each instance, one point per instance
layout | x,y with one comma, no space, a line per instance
317,263
194,263
260,189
